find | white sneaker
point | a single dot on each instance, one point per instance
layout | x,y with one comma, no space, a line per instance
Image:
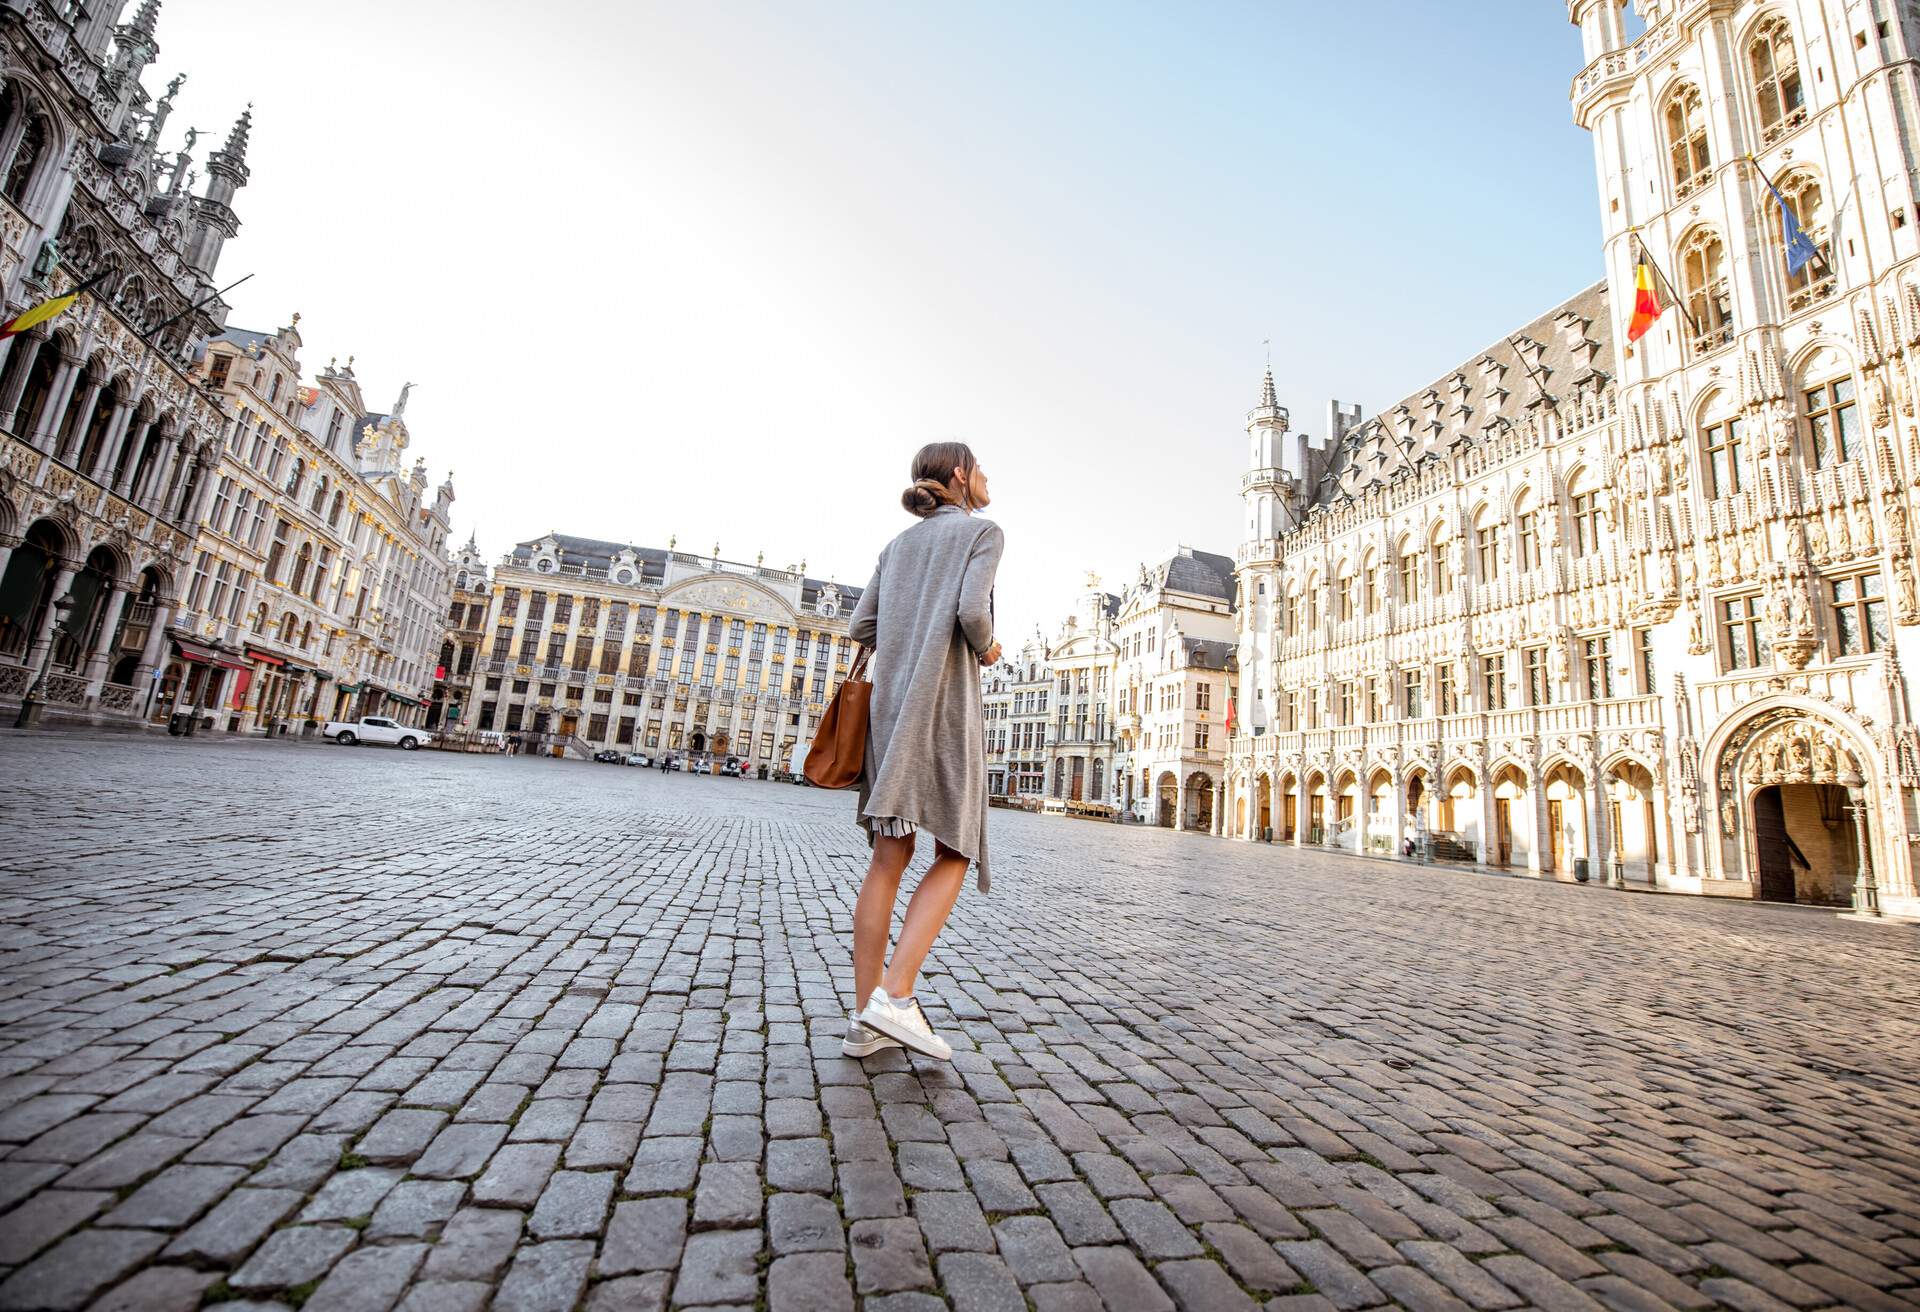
907,1024
863,1042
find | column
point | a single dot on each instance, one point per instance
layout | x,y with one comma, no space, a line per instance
95,669
1397,811
1180,801
158,484
1537,796
55,409
202,493
1299,807
1362,812
10,401
156,643
1599,828
1489,851
118,422
44,638
89,396
137,435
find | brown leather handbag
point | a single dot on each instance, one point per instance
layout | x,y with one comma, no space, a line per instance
839,751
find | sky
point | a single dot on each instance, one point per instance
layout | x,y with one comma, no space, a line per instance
712,273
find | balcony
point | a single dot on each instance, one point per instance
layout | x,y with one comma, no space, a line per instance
1267,476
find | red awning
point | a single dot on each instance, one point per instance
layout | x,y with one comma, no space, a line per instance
193,651
255,654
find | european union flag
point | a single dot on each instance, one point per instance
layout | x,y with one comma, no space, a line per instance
1800,247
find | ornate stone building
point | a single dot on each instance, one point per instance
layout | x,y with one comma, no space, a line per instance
1083,657
996,701
1636,611
320,575
107,446
466,633
1172,634
594,644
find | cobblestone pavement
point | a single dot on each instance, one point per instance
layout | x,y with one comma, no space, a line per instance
346,1028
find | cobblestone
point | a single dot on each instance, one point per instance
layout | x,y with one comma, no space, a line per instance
555,1036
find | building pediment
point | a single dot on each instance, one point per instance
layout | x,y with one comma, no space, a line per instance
729,592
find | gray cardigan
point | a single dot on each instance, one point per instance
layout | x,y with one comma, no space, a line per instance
928,614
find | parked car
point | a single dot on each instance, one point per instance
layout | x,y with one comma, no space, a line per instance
607,756
732,768
700,767
640,759
375,729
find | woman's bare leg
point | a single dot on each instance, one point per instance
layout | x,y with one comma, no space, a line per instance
873,913
926,916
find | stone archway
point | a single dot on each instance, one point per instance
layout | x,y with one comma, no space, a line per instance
1790,783
1166,800
1199,801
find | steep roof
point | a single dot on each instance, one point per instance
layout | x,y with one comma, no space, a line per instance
1538,368
1200,572
247,339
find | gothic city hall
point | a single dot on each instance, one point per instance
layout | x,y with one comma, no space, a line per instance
1641,611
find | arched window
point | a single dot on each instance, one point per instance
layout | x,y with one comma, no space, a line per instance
286,627
1442,561
298,477
260,618
1486,546
1687,141
1343,595
1369,586
301,564
26,160
1776,79
333,513
1814,280
1410,572
1296,613
319,494
1313,603
1703,281
306,635
1526,537
1833,424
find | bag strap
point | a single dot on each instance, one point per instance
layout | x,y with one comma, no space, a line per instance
859,671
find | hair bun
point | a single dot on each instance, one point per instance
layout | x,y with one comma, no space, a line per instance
924,497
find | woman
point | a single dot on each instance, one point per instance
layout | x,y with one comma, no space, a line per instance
928,618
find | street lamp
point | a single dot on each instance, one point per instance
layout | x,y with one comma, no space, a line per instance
1866,892
32,704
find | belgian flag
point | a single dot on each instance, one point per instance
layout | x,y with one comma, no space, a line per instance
44,311
1646,301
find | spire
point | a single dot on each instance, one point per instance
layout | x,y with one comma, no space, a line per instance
1268,397
236,147
146,17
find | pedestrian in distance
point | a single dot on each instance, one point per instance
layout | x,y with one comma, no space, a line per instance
927,618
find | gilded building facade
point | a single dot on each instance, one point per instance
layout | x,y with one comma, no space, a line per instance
594,645
1644,611
319,574
1083,657
107,445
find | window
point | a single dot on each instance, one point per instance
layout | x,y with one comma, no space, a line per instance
1410,574
1203,696
1687,141
1346,702
1446,697
277,555
1776,80
1527,540
1442,563
1859,614
1596,655
1586,523
1703,280
1724,465
1539,684
1413,694
1833,428
1200,733
1369,594
1486,551
1493,682
1643,644
1743,633
1343,597
26,157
